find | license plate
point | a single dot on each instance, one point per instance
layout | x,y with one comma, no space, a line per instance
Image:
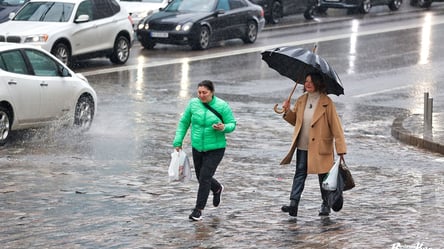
159,34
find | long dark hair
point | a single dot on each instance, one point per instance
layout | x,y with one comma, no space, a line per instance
318,82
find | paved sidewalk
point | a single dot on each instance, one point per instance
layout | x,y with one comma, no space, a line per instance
410,129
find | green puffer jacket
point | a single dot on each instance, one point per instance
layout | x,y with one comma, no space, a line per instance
201,119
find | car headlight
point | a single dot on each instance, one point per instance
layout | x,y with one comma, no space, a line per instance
36,38
143,25
185,27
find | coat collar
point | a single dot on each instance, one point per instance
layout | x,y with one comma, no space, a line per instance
320,108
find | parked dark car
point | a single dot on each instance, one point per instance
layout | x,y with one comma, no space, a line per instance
423,3
199,22
276,9
9,6
362,6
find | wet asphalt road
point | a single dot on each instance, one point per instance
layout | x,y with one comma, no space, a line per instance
108,188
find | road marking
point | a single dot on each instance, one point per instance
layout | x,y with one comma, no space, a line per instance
379,92
262,48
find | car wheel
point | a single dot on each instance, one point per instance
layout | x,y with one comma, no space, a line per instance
424,3
365,7
309,13
84,113
251,33
62,52
275,13
121,50
395,4
203,39
5,125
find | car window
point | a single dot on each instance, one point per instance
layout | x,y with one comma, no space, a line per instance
42,64
2,64
191,5
85,8
236,4
45,12
13,62
223,4
105,8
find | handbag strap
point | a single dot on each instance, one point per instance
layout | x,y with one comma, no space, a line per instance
213,111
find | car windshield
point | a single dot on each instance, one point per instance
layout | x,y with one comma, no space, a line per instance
11,2
191,5
45,12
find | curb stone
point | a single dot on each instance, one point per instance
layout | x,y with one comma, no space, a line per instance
408,137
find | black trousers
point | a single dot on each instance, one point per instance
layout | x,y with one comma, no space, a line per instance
300,176
205,165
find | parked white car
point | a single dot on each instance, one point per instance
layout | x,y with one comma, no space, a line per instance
37,89
138,9
73,29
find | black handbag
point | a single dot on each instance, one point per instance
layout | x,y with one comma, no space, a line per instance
347,177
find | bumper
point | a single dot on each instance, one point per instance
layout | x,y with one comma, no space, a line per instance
164,37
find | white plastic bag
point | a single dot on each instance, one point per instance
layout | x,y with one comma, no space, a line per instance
179,169
330,182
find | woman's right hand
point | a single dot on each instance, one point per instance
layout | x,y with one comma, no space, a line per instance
178,148
286,105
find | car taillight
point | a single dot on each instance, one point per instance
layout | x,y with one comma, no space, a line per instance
262,12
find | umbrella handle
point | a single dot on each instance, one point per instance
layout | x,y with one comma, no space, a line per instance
276,110
289,98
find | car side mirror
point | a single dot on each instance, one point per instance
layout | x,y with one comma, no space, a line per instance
82,18
11,15
220,12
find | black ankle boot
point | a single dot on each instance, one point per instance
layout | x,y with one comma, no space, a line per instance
292,209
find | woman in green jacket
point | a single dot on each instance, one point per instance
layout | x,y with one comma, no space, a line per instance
210,119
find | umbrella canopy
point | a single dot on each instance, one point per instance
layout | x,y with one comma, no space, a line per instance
296,62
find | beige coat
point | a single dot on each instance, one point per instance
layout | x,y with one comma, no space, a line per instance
326,131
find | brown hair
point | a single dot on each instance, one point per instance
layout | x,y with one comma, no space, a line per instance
318,81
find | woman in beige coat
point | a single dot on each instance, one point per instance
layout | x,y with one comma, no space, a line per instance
317,133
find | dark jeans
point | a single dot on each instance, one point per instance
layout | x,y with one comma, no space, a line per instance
205,165
300,176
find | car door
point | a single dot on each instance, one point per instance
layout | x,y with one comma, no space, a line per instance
84,35
23,88
56,91
227,25
106,21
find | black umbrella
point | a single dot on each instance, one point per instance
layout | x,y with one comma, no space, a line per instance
296,62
